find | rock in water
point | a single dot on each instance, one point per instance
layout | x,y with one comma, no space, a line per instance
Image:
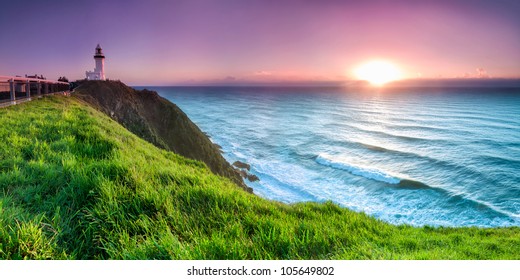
242,165
243,169
252,178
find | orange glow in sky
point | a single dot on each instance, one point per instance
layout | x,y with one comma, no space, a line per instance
378,72
248,42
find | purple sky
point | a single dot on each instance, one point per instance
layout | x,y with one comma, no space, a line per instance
171,42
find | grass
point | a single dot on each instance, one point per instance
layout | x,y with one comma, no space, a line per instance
74,184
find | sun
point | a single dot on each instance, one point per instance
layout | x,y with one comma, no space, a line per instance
378,72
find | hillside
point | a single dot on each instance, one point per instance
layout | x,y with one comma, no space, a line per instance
75,184
158,121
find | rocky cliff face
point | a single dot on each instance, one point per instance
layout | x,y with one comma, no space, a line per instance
158,121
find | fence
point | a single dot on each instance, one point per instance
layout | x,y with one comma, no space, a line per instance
14,90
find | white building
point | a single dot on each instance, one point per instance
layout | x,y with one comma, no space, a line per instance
99,71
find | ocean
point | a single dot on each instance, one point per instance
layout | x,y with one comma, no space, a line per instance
417,156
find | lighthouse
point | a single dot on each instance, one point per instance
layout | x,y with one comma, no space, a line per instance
99,71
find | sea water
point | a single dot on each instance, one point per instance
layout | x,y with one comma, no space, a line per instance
439,157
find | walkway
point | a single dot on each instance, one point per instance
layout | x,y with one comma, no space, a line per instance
15,90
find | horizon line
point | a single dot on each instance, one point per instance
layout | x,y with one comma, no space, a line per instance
414,82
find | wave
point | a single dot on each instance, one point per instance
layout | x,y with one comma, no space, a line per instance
415,127
369,173
412,184
271,178
385,150
403,183
420,158
416,156
483,204
499,160
402,137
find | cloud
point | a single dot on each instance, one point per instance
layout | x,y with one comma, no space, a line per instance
263,73
481,73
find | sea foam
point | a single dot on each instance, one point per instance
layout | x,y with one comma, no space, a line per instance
369,173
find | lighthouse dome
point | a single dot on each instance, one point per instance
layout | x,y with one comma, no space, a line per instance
99,52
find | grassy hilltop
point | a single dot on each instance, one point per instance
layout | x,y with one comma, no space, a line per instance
75,184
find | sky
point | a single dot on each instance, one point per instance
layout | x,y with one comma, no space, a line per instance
234,41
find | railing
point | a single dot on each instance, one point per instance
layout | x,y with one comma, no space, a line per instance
14,90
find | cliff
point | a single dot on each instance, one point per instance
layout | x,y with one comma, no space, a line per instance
158,121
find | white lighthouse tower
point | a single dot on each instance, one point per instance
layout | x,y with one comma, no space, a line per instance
99,71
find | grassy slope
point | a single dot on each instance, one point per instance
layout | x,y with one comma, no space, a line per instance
75,184
158,121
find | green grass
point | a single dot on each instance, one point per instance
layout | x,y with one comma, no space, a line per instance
76,185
